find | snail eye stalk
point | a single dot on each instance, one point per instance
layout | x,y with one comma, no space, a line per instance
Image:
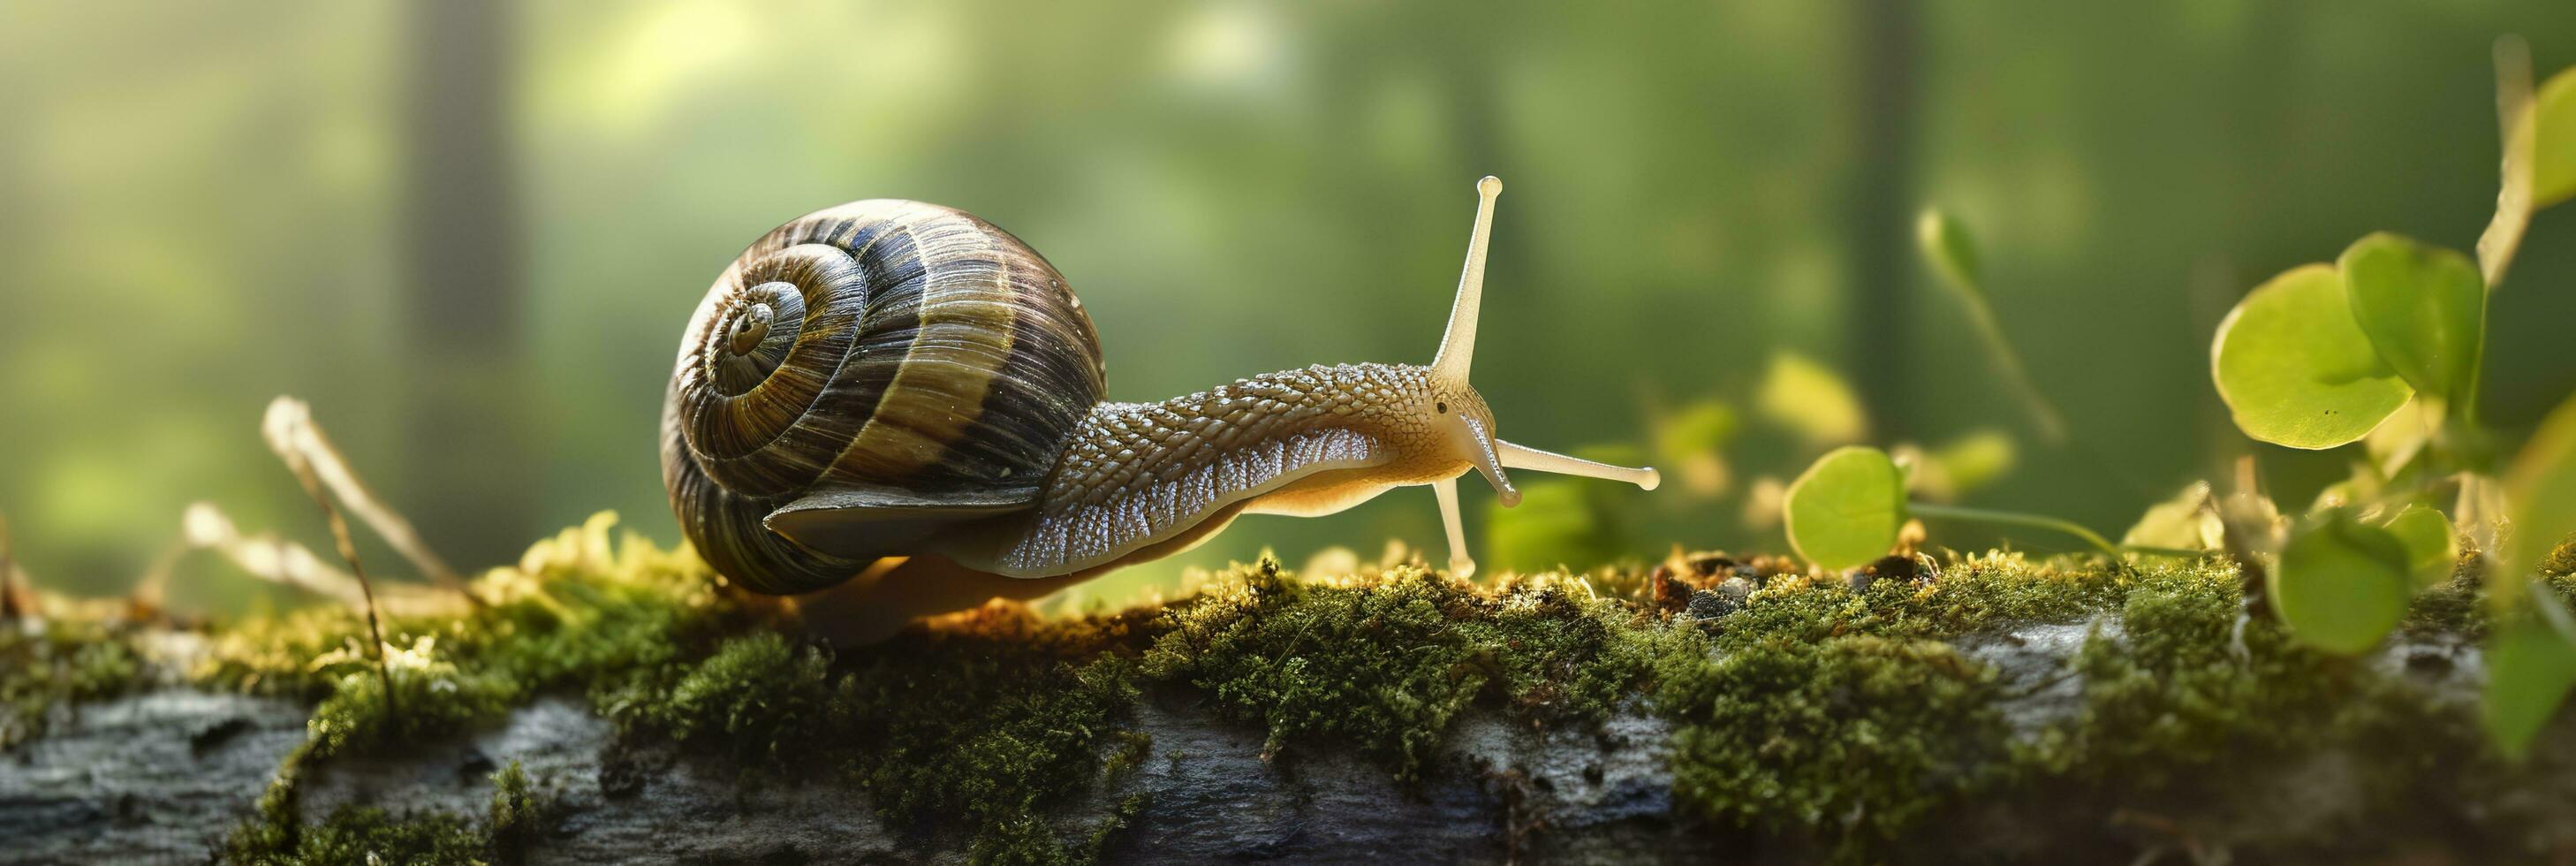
1525,457
1458,344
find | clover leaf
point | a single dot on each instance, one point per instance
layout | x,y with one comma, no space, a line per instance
2296,369
1846,509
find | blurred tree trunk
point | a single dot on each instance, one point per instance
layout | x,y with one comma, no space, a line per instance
470,469
1879,348
2256,111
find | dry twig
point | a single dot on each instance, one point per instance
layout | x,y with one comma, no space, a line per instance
324,459
289,431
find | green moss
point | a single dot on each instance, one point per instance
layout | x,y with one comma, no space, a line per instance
276,833
368,834
1963,596
1845,715
2169,696
578,612
2561,562
1386,663
1819,709
283,656
518,815
2457,607
981,728
56,663
757,696
1858,735
276,824
432,698
984,730
1031,841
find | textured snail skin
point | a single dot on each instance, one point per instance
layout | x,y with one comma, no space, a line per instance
1137,481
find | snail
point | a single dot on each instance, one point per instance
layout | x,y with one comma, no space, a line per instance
890,409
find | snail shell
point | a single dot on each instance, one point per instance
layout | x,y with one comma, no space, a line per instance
903,359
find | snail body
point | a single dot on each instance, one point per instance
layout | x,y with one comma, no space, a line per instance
902,404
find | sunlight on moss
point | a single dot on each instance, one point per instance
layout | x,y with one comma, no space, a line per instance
1310,662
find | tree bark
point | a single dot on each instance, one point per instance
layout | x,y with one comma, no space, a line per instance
167,774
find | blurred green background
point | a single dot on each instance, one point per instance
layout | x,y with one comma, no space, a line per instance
469,232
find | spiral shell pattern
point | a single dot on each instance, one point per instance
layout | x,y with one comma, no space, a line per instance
879,344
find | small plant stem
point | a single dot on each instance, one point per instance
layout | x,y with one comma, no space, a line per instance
297,462
1980,515
2177,552
2503,234
2044,415
2477,375
9,612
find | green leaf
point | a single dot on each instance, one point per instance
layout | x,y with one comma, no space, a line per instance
2432,548
2519,186
1810,400
2184,522
1691,443
2553,158
1946,244
1703,426
2363,485
2341,585
2296,370
2423,307
1847,508
1965,464
1976,459
2540,490
2397,441
2530,667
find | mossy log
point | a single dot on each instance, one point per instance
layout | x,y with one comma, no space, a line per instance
613,709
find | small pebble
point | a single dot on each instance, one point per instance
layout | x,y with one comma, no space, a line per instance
1900,567
1725,598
